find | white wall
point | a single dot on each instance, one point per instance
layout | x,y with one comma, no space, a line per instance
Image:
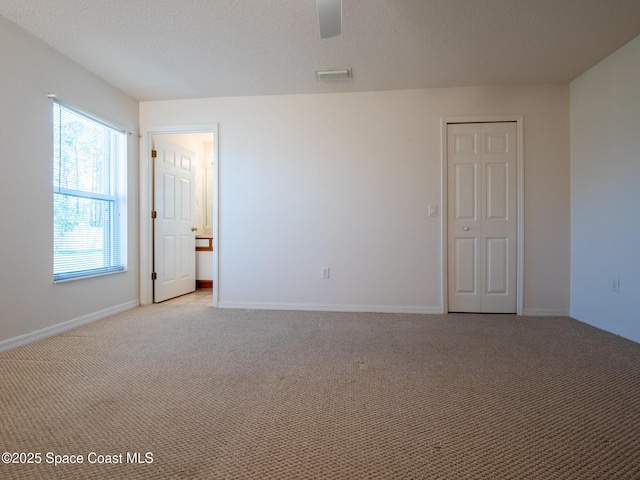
343,180
605,193
29,301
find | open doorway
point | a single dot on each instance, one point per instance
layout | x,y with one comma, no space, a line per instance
178,205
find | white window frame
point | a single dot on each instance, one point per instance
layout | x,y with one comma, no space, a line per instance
114,241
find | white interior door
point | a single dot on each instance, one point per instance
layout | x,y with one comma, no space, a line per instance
174,250
482,223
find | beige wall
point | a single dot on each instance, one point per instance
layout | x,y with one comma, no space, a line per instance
30,304
344,181
605,171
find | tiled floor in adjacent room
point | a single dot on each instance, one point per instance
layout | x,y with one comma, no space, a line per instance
202,296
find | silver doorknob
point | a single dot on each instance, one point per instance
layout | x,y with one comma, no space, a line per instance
466,229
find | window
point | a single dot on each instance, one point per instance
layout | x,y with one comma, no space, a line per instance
89,195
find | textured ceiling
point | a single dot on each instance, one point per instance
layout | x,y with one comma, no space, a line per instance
170,49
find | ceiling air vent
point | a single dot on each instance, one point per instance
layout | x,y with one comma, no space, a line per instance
340,74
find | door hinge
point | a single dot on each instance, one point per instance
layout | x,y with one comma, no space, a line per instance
154,276
154,214
154,154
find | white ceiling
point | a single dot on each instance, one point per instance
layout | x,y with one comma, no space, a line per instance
171,49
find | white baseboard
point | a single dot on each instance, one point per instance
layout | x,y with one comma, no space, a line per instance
534,312
64,326
329,308
544,312
594,322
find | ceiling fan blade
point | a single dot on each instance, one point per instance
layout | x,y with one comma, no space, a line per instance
330,17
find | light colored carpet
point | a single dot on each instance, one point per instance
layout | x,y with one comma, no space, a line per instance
302,395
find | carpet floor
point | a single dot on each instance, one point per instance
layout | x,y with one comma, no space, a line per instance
181,392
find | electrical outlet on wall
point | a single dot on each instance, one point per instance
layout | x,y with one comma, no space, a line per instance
324,273
615,284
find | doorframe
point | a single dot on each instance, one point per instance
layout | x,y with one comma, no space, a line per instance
444,122
146,202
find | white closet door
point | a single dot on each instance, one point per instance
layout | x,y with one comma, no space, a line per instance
482,222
